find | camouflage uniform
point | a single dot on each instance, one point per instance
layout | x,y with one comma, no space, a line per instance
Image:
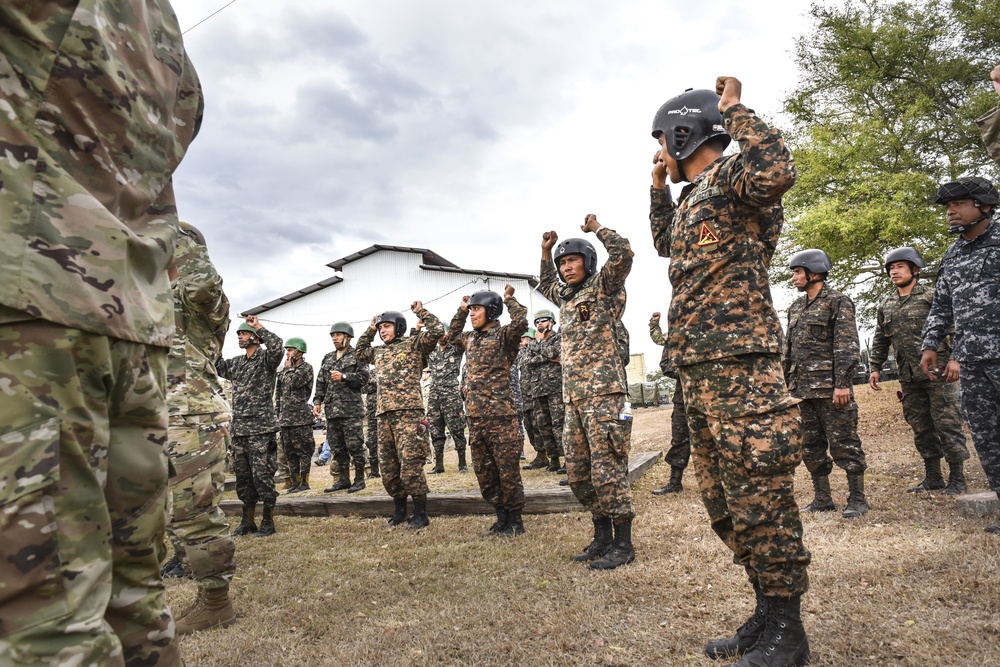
931,408
255,448
489,404
989,128
342,405
293,386
822,353
966,298
100,103
371,422
547,401
524,387
724,337
444,399
594,387
680,442
402,424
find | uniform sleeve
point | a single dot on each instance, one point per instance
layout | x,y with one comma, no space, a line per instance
273,342
619,264
357,378
880,344
656,333
322,377
941,319
661,217
364,351
548,281
432,333
222,368
989,128
765,170
518,325
786,357
846,349
279,389
456,327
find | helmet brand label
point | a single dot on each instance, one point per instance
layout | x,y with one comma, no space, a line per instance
683,111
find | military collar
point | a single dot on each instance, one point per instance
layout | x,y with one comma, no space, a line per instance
690,187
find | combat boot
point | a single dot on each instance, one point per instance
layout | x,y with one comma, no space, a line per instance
499,525
289,484
823,500
515,525
304,484
621,551
373,472
674,485
553,464
297,481
399,512
173,568
462,465
267,522
857,505
438,461
247,523
359,478
932,477
210,609
746,635
419,519
783,643
603,537
956,480
541,461
343,479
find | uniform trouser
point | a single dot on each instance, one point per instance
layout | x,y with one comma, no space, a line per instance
299,444
529,429
197,448
402,450
496,458
255,458
83,480
933,411
830,435
680,441
283,470
549,414
371,429
746,440
597,447
444,409
981,406
346,436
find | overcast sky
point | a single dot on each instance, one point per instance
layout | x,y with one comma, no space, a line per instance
464,127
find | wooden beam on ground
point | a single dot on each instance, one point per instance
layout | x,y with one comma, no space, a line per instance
977,505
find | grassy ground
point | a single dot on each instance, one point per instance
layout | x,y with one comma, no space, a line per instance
912,583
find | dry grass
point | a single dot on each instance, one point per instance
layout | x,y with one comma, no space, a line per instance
912,583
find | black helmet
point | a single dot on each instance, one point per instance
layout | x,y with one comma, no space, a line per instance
905,254
491,301
812,260
396,318
975,188
689,120
344,328
577,247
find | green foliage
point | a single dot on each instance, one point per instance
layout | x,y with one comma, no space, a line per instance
884,111
663,383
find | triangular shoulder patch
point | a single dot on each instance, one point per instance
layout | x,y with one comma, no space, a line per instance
708,235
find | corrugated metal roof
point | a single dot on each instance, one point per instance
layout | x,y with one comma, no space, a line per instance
315,287
476,272
428,256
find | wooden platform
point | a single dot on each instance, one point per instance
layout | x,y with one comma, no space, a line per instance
536,501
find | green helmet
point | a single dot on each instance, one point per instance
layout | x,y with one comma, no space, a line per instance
544,314
342,327
246,327
530,333
296,343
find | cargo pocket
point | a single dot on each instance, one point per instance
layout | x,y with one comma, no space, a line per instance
616,434
772,443
31,568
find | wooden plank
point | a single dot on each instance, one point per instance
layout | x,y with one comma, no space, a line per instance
978,505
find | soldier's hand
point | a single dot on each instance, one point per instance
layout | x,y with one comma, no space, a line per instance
873,381
508,291
656,316
929,364
549,240
465,303
539,335
254,322
374,318
590,223
841,397
336,376
317,411
995,78
951,371
729,89
659,170
416,306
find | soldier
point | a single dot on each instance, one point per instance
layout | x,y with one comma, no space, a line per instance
255,448
199,433
931,408
821,358
295,415
371,423
598,417
724,338
339,384
523,387
402,424
444,403
966,299
98,113
548,409
680,443
490,350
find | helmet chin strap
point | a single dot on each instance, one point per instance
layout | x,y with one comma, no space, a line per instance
958,229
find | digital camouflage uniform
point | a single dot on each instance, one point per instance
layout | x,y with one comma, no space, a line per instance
523,389
594,386
548,409
444,398
724,337
293,387
371,421
255,447
932,409
821,354
100,103
680,442
489,403
343,406
402,425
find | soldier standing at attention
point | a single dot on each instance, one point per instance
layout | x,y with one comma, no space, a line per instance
339,384
444,404
821,357
724,338
548,409
255,448
931,407
680,443
295,415
598,423
402,424
100,103
490,350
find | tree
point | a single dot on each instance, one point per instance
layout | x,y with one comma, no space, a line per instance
664,384
885,111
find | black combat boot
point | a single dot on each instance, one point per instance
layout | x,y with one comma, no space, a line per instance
438,461
553,464
173,568
857,505
399,512
603,537
932,477
499,525
956,479
296,482
359,478
621,551
373,469
674,485
746,635
267,522
343,479
304,484
462,465
515,525
783,642
823,500
419,519
541,461
247,524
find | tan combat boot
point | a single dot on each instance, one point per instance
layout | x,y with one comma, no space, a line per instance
210,609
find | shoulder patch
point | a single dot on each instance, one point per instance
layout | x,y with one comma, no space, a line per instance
707,236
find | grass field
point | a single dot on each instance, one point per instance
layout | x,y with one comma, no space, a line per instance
911,584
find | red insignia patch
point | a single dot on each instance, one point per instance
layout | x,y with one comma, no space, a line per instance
584,310
708,236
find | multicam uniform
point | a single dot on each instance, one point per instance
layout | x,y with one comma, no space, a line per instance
594,387
724,338
100,103
989,128
680,442
548,409
295,418
932,409
343,406
444,398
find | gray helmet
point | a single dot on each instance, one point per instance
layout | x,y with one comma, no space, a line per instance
905,254
689,120
813,260
343,327
396,318
490,300
577,247
975,188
